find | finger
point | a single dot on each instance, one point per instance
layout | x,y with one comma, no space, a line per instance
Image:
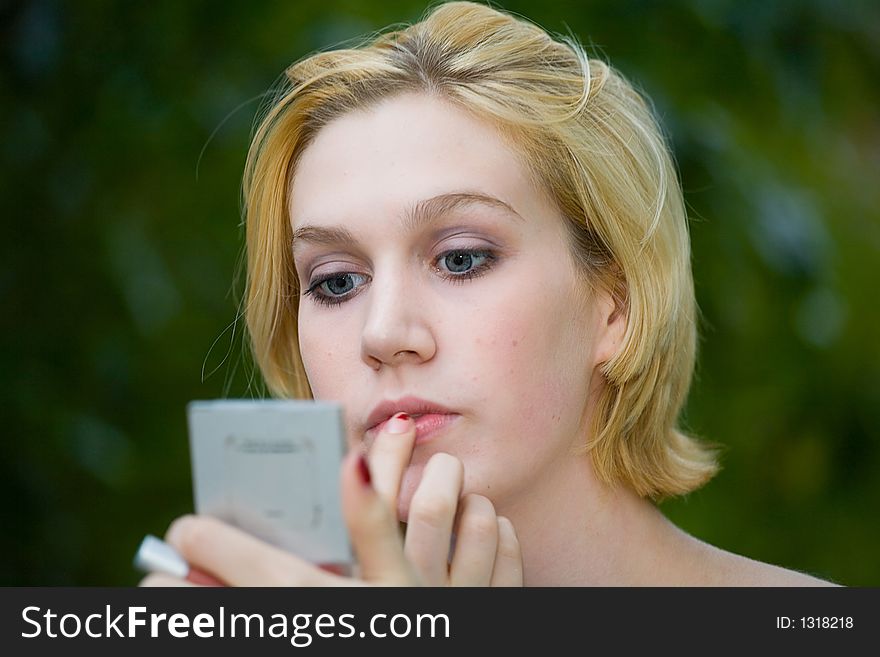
162,580
431,516
508,569
476,543
390,454
372,526
235,557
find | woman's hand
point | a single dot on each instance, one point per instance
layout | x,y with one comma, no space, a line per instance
486,548
486,551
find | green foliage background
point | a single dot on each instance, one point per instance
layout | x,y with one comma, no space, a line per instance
124,130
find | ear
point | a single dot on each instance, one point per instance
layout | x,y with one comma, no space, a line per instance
610,322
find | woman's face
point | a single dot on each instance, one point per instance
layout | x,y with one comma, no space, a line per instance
452,283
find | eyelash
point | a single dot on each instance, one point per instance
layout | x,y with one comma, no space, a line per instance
479,270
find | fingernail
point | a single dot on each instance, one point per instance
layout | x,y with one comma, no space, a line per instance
197,576
398,424
364,470
156,556
342,569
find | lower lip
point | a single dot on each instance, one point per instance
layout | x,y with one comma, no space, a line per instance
427,426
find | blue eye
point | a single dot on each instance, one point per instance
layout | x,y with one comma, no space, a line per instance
462,265
458,262
338,285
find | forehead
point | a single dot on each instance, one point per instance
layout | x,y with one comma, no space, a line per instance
403,150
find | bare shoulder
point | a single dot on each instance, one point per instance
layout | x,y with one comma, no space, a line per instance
722,568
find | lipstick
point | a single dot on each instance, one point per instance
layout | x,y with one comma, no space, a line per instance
426,425
155,556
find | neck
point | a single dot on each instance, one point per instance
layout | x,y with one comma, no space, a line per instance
596,535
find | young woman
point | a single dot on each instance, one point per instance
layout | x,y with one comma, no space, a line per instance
473,237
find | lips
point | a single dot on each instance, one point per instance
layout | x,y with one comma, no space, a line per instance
412,406
426,425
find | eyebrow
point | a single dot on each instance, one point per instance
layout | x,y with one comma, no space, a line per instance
417,215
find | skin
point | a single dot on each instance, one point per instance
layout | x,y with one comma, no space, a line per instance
515,352
405,329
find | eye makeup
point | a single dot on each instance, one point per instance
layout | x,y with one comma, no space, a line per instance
489,259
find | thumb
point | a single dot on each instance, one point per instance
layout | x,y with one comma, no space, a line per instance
372,526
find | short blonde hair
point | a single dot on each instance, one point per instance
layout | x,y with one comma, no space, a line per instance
587,138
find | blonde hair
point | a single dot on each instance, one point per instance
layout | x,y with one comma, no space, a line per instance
589,141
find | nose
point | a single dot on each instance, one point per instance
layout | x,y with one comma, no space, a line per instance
397,326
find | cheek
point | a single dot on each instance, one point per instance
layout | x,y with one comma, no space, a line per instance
322,348
328,368
532,368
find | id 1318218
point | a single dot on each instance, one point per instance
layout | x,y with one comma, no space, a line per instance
815,623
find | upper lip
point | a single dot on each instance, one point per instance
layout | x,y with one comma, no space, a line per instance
408,405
